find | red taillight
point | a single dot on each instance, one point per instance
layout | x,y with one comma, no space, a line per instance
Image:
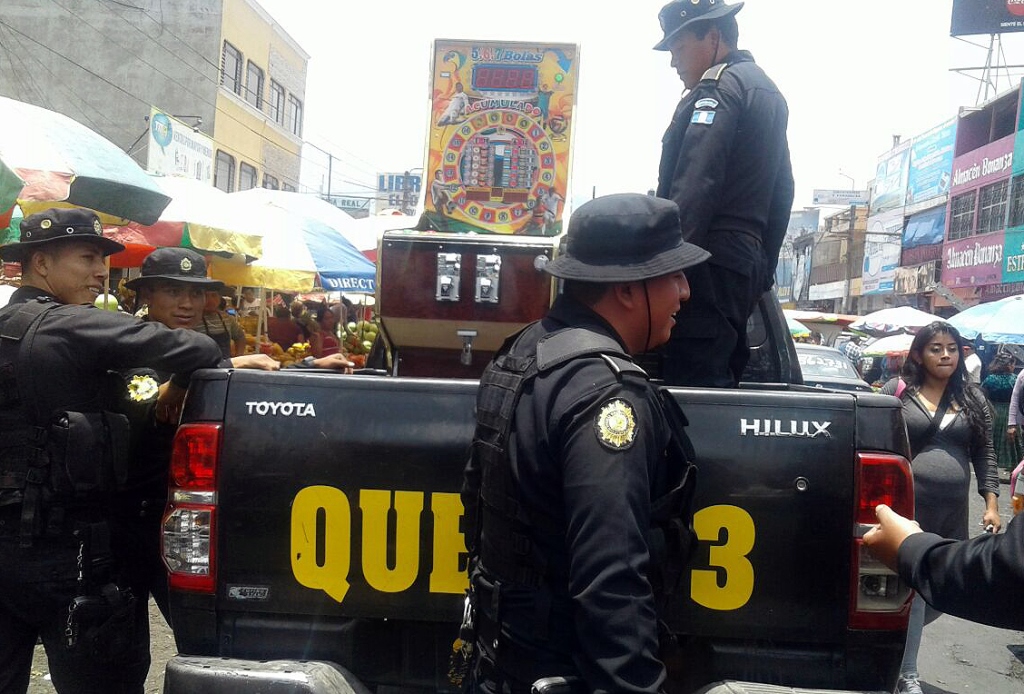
884,479
194,460
879,599
189,524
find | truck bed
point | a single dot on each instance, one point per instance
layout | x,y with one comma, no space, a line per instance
338,529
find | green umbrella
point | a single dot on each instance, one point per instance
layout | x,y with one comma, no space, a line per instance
62,161
12,232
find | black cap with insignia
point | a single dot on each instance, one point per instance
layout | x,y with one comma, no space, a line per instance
58,224
675,16
176,265
625,237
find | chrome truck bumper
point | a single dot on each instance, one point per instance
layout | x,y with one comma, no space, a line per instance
731,687
197,675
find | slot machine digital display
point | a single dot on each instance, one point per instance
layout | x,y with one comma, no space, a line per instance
500,136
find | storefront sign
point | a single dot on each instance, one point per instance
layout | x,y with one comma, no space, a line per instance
987,164
931,160
840,197
974,261
1013,256
177,149
995,291
828,290
882,252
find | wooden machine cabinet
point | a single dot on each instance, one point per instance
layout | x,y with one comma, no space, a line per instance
446,302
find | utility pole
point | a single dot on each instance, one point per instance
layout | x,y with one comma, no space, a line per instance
406,190
330,168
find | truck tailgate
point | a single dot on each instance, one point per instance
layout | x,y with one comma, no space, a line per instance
362,517
774,515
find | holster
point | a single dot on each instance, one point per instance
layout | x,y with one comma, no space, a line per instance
103,626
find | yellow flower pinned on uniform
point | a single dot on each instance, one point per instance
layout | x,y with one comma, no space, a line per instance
142,388
616,425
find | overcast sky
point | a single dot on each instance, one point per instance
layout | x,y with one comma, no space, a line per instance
854,74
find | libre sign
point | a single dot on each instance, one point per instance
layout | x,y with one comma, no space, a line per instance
986,17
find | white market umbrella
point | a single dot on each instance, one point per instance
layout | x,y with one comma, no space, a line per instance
893,320
892,345
309,205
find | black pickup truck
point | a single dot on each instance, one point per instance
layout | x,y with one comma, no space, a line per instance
313,532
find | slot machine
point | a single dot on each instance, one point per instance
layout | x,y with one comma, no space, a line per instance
496,180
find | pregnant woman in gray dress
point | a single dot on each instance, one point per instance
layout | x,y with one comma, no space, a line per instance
949,423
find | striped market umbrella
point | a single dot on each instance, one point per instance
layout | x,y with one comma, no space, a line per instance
299,253
796,328
47,159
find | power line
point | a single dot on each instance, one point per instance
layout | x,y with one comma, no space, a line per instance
42,95
216,82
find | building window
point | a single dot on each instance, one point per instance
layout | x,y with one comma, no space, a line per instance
275,105
288,187
254,85
992,207
246,176
270,182
224,172
294,115
1017,202
231,68
961,223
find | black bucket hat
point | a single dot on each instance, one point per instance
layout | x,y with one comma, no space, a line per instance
176,265
624,237
58,224
677,15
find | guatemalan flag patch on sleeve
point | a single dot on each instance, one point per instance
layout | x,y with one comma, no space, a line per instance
705,117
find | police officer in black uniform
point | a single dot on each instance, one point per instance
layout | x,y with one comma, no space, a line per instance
578,462
725,162
63,455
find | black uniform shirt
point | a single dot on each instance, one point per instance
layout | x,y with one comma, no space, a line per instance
725,162
75,346
981,579
599,493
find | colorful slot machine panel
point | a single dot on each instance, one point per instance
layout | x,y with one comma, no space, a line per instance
500,136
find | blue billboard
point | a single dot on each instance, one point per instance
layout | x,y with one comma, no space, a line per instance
931,161
925,229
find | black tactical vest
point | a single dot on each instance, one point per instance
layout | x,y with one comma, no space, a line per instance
23,461
491,496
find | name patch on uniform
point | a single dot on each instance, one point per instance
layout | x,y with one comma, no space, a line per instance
705,117
616,425
706,103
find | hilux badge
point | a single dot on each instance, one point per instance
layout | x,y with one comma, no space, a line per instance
802,429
